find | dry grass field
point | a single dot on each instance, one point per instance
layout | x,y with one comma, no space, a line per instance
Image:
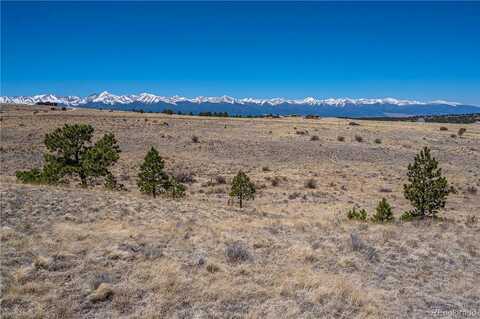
69,252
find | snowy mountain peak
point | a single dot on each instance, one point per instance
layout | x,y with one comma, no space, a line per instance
104,94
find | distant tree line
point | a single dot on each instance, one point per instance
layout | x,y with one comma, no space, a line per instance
214,114
452,118
47,103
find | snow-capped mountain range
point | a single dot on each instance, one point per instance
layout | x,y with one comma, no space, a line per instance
147,98
252,106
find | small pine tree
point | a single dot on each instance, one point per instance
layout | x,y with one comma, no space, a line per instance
427,189
242,188
355,214
383,212
175,188
152,179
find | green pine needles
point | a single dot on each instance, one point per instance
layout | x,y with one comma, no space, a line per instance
427,189
383,212
242,188
153,180
354,214
71,153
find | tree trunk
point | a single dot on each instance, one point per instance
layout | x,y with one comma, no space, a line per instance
83,179
154,193
241,204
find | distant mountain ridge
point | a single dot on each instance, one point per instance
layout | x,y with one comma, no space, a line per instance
251,106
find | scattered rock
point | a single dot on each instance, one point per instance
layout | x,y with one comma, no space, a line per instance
97,279
103,292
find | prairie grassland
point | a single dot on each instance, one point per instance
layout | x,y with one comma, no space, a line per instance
68,252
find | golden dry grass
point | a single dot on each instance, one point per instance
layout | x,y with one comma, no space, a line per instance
166,259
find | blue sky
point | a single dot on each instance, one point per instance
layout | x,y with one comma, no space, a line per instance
420,51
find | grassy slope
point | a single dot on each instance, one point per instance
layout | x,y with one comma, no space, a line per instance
166,259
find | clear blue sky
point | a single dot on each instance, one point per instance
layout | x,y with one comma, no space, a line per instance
406,50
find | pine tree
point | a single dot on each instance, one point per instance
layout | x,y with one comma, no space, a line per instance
152,179
71,153
383,212
427,189
242,188
354,214
175,188
67,146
